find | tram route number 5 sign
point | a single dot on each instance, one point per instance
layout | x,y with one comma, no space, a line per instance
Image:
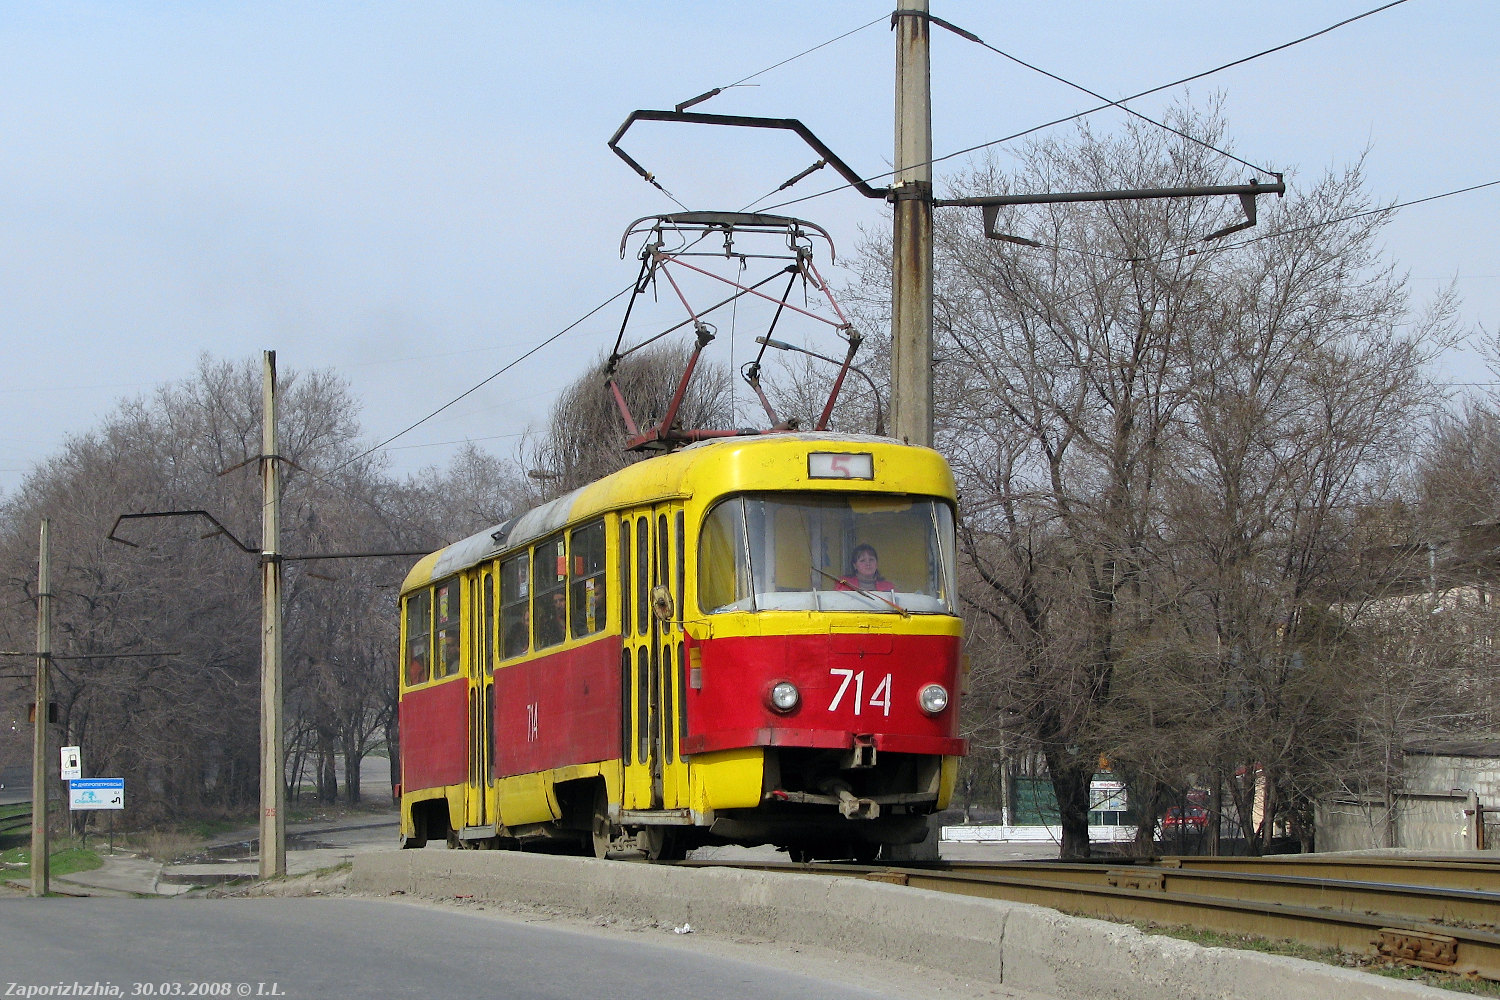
96,793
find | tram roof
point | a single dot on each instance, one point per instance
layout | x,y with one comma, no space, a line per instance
673,476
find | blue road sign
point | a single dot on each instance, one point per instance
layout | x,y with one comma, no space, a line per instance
96,793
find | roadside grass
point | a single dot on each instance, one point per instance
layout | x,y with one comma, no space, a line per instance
172,842
67,857
305,811
1327,956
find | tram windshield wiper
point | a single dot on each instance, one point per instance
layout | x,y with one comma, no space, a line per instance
848,586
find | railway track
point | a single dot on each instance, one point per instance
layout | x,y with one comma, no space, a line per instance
1441,871
14,828
1438,915
15,822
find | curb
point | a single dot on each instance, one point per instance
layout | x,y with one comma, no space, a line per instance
1022,946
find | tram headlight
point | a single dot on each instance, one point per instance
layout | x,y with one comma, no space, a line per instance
784,696
933,699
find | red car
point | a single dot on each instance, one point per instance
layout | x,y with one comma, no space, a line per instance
1196,819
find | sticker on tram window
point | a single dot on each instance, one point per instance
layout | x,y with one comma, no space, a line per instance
840,465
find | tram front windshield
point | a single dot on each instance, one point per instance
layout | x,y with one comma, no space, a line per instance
813,552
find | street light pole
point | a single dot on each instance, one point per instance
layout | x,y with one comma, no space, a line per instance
272,781
911,235
41,867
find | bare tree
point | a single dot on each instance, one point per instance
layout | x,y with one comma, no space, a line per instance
1309,377
1159,452
475,491
585,435
183,728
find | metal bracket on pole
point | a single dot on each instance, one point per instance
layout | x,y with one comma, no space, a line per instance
681,116
219,528
991,204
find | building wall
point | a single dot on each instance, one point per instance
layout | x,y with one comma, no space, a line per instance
1429,813
1434,774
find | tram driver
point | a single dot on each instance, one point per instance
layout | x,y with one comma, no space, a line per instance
864,571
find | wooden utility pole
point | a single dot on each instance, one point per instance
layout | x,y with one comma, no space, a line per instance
41,855
911,250
272,783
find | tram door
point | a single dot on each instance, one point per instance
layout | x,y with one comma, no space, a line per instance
671,557
637,663
654,776
477,811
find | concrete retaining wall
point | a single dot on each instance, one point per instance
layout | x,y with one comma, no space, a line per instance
1423,822
1025,947
979,833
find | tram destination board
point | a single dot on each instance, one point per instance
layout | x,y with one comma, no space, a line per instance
96,793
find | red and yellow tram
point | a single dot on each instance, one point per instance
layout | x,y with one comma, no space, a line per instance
683,654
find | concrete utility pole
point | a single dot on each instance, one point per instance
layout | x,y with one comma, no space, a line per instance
41,855
911,250
272,783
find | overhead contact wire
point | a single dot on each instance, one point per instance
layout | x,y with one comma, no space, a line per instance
799,55
1347,218
1102,107
475,388
1118,104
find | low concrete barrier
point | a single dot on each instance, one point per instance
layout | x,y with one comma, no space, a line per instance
997,834
1022,946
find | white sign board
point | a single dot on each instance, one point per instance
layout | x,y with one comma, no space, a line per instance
96,793
72,763
1107,796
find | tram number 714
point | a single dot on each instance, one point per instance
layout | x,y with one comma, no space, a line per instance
881,698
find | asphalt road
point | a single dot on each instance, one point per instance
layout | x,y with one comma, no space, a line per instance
344,947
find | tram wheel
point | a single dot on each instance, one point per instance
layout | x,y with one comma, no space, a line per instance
601,831
662,843
457,843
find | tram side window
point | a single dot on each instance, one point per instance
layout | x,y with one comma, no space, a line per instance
625,596
588,580
642,574
550,585
680,527
515,604
418,636
448,634
723,561
487,629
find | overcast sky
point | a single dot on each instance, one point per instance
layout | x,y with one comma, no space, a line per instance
413,194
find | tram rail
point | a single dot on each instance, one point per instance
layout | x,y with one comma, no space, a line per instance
1438,871
1442,927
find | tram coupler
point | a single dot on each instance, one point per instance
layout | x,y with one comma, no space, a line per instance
851,807
862,754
